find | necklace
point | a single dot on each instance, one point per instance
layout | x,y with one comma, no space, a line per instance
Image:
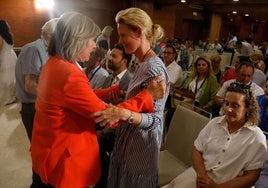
145,54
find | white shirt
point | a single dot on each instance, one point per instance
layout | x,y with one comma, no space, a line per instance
226,155
174,72
257,90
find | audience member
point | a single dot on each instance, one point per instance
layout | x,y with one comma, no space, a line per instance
30,62
231,41
257,59
137,143
118,63
263,119
230,150
64,146
216,66
95,72
244,72
175,78
105,35
216,46
202,83
103,46
7,65
183,56
243,48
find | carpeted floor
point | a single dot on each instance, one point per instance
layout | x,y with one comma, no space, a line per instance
15,161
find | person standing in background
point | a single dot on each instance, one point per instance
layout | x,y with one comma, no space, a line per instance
105,35
8,60
29,64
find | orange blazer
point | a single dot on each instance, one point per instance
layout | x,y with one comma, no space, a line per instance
64,147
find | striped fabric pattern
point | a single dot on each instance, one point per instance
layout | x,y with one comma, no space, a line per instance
135,155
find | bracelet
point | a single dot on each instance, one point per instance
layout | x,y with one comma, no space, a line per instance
131,118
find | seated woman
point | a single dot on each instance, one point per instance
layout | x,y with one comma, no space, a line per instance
231,149
202,83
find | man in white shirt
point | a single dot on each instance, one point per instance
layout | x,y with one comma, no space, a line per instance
243,48
175,77
245,71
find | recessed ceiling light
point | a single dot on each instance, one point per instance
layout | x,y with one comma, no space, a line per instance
234,12
246,14
235,0
183,1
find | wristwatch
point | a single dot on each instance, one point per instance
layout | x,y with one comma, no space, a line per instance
131,118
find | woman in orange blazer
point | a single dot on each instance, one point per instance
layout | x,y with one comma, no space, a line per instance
64,147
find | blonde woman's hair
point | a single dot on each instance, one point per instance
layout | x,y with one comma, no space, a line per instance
210,72
72,33
136,18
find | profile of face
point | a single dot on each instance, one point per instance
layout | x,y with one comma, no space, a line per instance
201,67
130,39
169,55
235,108
244,74
115,59
89,47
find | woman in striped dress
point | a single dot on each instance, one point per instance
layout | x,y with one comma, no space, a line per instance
138,138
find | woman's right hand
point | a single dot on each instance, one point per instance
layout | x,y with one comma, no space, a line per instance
157,87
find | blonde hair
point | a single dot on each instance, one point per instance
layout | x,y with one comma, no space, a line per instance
136,18
215,58
49,27
72,33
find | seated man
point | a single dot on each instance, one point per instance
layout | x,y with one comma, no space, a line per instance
245,71
230,150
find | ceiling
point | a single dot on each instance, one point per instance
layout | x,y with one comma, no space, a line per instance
257,9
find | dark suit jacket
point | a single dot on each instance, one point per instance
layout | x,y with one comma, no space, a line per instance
124,82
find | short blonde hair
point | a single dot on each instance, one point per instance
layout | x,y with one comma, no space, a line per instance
71,34
136,18
49,27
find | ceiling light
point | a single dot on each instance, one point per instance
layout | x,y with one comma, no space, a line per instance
234,12
246,14
183,1
235,0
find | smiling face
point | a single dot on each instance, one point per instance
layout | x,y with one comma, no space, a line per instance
130,39
235,108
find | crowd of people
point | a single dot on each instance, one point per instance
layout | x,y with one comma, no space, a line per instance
99,124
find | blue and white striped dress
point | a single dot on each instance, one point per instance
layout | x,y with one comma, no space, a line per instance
136,149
